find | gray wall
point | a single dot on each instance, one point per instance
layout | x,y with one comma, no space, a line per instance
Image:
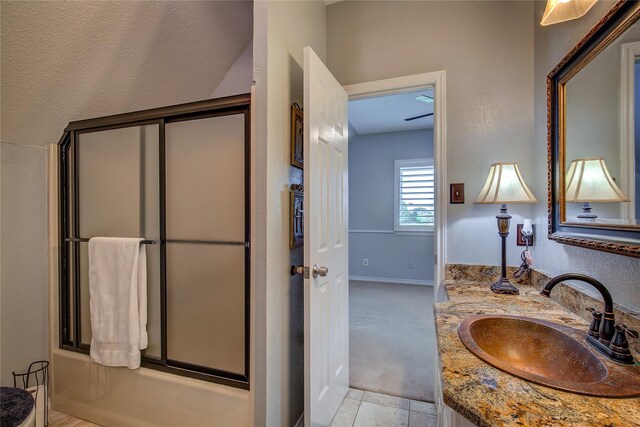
486,49
371,199
496,109
618,273
23,296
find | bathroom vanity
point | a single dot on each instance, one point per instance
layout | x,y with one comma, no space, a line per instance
487,396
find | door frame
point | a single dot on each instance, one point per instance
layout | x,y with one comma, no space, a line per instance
437,80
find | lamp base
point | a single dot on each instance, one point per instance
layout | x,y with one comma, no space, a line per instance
502,286
588,216
586,212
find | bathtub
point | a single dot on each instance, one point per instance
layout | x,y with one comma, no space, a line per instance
120,396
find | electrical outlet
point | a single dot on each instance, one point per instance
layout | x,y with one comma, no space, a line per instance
412,264
365,262
520,237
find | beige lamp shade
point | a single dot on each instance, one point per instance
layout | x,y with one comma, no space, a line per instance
505,185
565,10
588,180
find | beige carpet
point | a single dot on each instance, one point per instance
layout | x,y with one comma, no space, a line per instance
391,339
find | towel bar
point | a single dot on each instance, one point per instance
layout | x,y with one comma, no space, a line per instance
154,242
82,240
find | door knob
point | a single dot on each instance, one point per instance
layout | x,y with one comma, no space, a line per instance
319,271
304,271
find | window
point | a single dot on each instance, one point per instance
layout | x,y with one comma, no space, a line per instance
414,195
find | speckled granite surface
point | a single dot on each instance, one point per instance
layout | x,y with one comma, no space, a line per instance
568,295
489,397
482,273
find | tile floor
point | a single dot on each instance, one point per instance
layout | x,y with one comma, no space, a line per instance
58,419
359,409
368,409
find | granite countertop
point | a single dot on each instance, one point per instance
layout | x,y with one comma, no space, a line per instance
490,397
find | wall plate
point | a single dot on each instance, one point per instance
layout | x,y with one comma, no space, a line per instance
456,193
520,238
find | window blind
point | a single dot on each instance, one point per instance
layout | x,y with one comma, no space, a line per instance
416,194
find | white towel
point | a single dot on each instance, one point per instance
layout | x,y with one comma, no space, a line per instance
118,300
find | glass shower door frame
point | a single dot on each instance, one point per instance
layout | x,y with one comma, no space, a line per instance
69,227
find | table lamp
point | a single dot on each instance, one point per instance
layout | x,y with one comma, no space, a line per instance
504,185
588,181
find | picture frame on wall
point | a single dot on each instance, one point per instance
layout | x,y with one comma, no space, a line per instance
296,216
297,129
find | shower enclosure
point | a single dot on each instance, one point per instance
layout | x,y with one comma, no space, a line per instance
178,177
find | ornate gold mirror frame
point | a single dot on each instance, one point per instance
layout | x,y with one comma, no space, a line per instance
620,239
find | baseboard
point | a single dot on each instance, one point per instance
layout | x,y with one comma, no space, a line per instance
392,280
300,422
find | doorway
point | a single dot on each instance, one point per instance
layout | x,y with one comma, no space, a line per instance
396,143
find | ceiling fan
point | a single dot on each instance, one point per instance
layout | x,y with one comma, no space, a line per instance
418,117
423,98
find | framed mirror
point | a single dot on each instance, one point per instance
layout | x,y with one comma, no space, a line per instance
593,107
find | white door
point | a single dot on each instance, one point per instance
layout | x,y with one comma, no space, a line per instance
326,245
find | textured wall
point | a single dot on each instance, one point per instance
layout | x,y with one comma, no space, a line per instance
283,29
239,77
67,61
620,274
64,61
486,49
371,199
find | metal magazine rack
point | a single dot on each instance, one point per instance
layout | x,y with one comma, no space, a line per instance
36,381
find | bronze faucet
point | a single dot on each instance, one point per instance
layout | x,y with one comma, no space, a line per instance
607,337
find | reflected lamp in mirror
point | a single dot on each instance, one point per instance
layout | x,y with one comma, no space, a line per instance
504,185
589,181
565,10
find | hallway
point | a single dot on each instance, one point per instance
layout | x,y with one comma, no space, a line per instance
391,339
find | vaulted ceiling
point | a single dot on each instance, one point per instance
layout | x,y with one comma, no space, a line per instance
64,61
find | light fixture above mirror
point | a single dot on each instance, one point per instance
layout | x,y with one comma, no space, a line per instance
565,10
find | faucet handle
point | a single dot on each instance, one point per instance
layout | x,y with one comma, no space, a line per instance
623,328
594,328
619,344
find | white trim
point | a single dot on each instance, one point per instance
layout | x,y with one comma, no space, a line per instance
627,132
397,233
437,80
300,422
392,280
423,233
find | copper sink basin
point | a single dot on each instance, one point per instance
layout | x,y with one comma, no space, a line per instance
546,353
